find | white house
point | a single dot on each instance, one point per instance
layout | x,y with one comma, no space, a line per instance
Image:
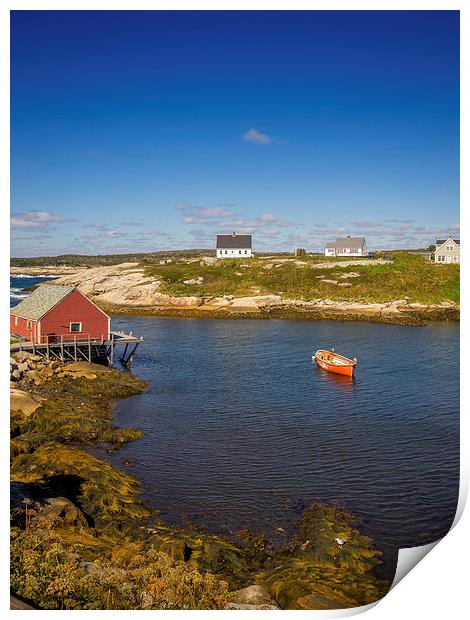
447,251
347,246
234,246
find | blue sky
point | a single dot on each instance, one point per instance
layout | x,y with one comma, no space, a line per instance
143,131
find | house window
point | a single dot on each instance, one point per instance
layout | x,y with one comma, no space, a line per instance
456,258
449,248
225,251
246,251
28,325
75,327
239,251
16,321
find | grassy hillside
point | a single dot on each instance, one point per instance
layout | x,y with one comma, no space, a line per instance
407,276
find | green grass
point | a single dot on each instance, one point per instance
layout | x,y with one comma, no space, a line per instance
407,276
453,288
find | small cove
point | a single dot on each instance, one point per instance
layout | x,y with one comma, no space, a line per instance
242,430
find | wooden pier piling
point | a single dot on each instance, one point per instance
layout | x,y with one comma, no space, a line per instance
89,349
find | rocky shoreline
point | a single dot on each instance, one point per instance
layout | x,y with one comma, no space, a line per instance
125,289
97,546
413,314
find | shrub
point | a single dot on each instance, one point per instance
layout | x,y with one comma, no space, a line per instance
47,569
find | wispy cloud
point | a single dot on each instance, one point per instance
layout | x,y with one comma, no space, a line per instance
115,234
98,225
203,215
380,234
132,223
217,219
266,221
367,224
33,220
202,236
254,135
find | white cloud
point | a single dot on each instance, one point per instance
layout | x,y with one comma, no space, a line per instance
206,215
266,222
132,223
33,220
254,135
380,234
98,225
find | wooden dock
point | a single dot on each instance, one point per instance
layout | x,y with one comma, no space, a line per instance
79,348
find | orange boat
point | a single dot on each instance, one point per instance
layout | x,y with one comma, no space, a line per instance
333,362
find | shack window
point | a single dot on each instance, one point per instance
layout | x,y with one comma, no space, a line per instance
75,327
16,321
28,325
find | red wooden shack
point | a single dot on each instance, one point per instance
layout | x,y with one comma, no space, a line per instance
52,311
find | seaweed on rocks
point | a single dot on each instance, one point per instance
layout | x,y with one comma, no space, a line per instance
100,547
331,566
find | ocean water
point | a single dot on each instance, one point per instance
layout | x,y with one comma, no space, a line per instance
243,430
20,283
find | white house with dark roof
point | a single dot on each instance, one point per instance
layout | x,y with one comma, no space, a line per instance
234,246
447,251
347,246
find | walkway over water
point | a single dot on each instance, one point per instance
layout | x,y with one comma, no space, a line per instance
89,349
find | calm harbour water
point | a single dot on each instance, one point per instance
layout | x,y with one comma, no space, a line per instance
242,429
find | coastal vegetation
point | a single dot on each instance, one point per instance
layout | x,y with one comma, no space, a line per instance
399,275
82,538
405,276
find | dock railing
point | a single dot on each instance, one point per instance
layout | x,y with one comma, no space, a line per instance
82,346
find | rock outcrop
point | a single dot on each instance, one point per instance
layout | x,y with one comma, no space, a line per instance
124,285
127,287
63,508
34,368
24,402
252,597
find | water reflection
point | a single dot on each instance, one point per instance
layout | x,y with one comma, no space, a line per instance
342,381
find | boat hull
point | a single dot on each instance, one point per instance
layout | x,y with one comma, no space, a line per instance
346,366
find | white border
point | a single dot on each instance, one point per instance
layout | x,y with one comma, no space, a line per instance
438,588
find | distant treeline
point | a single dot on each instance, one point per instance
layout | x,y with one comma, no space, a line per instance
81,260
